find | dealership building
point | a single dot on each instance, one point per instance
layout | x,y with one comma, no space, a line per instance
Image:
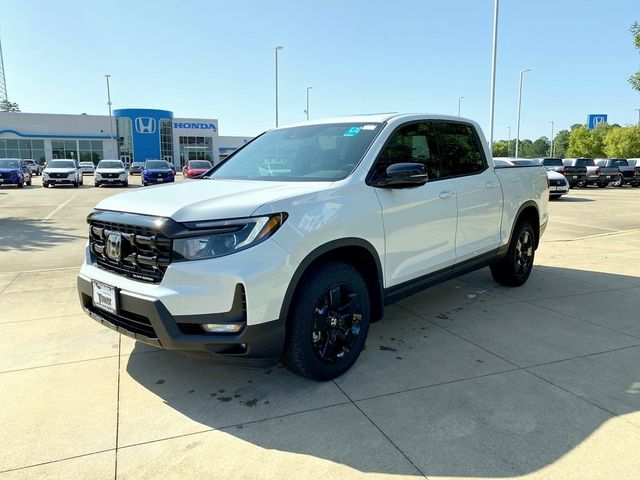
132,134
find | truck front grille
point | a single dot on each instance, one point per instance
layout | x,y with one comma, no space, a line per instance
132,251
58,175
557,183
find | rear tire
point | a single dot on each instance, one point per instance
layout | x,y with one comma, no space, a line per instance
619,182
602,185
514,269
328,322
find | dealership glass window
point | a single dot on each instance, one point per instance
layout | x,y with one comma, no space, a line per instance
166,139
125,138
34,149
64,149
195,148
90,151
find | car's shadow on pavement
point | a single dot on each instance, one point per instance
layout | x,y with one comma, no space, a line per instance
466,379
570,199
26,234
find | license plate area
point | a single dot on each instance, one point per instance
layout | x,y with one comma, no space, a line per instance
105,297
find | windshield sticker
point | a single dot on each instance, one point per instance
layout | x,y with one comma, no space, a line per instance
352,132
369,127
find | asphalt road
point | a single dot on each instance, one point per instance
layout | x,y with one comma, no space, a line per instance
465,380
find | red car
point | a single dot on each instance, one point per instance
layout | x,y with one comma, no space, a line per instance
193,168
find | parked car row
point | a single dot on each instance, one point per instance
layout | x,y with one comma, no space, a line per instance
582,172
15,171
558,183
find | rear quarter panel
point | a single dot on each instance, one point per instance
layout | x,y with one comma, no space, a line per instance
519,186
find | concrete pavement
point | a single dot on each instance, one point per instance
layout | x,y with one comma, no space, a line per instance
465,380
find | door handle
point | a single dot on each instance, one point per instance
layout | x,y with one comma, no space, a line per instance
446,194
491,184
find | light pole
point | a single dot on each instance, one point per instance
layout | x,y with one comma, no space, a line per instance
107,76
509,142
459,104
277,49
493,73
638,110
522,72
307,110
551,147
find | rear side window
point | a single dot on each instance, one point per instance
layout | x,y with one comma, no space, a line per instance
584,162
552,162
461,148
619,162
414,143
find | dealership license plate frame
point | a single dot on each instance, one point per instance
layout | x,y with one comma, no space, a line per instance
112,293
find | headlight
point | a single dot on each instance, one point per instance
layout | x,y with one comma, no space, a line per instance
225,237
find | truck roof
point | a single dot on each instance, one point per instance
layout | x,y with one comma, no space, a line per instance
376,118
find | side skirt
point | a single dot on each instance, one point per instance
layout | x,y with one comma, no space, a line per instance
398,292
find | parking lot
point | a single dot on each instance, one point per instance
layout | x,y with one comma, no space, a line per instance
465,380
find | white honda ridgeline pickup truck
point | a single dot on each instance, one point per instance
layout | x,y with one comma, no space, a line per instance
294,244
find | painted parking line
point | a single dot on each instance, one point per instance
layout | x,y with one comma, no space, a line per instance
60,207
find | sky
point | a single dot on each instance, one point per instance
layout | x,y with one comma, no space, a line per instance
215,59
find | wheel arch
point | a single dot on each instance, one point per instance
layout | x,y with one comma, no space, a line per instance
528,211
354,251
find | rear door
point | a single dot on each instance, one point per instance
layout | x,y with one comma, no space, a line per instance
419,222
477,187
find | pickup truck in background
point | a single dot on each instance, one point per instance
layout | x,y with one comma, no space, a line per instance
627,174
600,176
635,163
294,244
575,175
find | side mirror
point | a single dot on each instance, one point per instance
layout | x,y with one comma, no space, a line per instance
403,175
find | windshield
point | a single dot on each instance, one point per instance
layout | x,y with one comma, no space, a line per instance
86,164
30,162
326,152
62,164
110,164
137,164
619,162
552,162
199,164
585,162
9,163
156,164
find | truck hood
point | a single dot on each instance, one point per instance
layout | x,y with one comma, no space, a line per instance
67,170
110,170
9,170
206,199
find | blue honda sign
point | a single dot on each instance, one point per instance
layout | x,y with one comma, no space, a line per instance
145,128
594,119
195,125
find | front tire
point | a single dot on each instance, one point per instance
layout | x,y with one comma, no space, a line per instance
328,322
514,269
619,181
21,183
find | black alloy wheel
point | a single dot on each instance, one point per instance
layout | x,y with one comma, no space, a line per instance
515,267
336,325
328,321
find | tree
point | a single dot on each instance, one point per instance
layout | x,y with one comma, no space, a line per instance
622,142
561,143
541,147
634,79
526,149
500,148
585,143
7,106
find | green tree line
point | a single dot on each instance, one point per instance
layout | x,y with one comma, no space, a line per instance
604,141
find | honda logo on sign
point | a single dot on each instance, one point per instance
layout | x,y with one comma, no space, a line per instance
145,125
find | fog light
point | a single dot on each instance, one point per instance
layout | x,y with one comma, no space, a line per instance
222,327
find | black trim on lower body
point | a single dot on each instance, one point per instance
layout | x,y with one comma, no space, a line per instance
403,290
149,321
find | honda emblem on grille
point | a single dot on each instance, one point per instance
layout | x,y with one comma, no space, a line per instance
113,248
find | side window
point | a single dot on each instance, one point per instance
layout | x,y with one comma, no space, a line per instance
415,143
461,148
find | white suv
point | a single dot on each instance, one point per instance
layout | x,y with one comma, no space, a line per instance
111,172
62,172
299,239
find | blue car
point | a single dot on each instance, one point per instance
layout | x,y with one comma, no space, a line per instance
157,171
14,171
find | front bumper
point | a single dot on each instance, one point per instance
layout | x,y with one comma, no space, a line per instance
156,180
148,320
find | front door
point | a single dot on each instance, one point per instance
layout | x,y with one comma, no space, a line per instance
419,222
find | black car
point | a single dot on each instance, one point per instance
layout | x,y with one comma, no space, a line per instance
136,168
